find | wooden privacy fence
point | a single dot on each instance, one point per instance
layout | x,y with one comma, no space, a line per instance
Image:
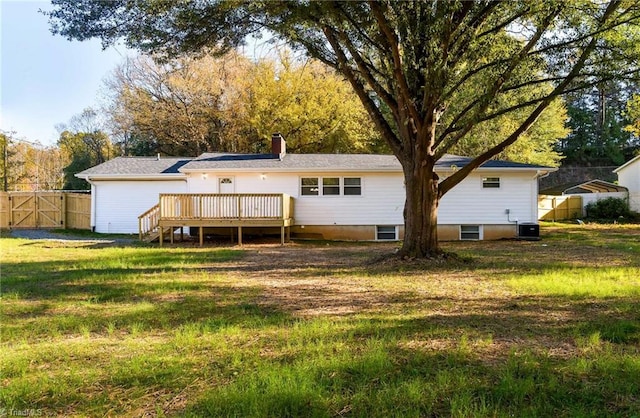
45,210
558,208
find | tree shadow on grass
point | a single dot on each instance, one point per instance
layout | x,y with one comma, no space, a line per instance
381,369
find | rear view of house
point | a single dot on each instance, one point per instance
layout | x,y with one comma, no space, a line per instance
320,196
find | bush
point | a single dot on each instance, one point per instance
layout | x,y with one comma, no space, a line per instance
609,208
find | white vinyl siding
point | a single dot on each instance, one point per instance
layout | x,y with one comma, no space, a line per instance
468,203
382,198
119,203
380,202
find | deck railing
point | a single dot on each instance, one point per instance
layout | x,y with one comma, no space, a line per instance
185,207
149,221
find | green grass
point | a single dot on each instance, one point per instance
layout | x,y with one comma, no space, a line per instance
548,328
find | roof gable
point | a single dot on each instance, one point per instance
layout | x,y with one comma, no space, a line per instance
627,164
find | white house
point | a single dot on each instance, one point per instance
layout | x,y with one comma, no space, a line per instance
328,196
629,177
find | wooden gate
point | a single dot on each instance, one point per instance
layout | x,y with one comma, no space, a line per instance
36,210
557,208
22,210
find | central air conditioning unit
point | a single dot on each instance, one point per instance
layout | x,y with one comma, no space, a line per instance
529,231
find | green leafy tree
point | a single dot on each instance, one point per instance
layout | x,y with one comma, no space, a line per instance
315,110
229,104
427,72
83,144
633,113
597,121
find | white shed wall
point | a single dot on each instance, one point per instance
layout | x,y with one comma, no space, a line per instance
594,197
119,203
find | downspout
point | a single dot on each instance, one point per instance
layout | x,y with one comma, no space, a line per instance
93,204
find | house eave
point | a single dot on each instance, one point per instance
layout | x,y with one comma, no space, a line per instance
131,177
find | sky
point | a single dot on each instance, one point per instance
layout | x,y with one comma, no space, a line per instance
45,79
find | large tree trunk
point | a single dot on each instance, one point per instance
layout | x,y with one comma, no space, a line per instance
421,210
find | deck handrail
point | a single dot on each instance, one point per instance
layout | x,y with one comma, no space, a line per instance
149,221
225,206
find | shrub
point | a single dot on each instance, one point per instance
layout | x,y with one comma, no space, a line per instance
609,208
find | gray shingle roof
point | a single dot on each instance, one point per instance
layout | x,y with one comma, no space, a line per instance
291,162
137,166
151,166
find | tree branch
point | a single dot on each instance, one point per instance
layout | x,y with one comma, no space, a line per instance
459,175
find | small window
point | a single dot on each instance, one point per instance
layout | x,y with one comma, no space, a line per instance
386,233
331,186
491,182
352,186
470,232
310,186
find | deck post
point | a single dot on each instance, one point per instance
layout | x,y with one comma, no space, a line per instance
282,229
161,233
171,234
182,234
240,236
201,233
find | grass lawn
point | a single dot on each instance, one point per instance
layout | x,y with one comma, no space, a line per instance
514,328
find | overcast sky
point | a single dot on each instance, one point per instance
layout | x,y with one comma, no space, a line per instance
45,79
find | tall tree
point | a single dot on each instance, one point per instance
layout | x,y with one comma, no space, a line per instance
597,121
83,144
229,104
409,62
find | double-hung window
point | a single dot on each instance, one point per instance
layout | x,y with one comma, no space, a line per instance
331,186
310,186
352,186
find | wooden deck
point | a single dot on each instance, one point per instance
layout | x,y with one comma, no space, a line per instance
179,210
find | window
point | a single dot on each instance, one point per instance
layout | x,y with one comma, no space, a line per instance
470,232
331,186
352,186
386,233
310,186
491,182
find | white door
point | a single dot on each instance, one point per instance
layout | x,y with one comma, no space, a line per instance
225,185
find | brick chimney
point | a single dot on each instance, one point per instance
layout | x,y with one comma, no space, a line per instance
278,146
